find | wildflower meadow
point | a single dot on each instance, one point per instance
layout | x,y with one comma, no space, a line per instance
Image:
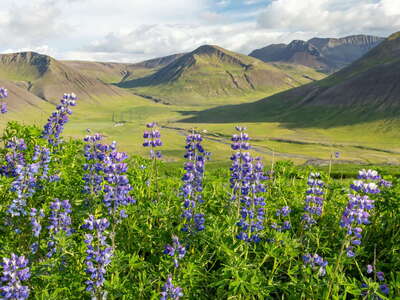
80,219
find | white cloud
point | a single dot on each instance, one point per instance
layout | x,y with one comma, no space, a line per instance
133,30
151,41
333,17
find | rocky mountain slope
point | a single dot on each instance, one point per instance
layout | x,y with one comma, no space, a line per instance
324,54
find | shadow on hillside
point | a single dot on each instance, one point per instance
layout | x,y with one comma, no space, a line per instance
290,116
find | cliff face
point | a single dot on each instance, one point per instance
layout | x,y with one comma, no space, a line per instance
323,54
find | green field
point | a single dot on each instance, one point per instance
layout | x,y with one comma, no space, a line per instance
124,119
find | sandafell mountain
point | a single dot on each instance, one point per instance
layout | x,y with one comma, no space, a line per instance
367,90
211,72
49,79
323,54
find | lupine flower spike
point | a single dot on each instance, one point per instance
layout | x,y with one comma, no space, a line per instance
314,200
240,144
252,210
152,139
3,105
383,287
316,262
98,252
193,184
176,250
169,291
15,272
55,125
60,221
282,213
356,213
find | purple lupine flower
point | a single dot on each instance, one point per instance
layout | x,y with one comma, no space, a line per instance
169,291
370,269
36,220
152,139
337,154
98,252
192,188
384,288
282,213
239,169
42,156
15,272
117,186
314,200
355,215
55,125
357,210
95,154
176,250
369,182
252,210
3,105
15,156
246,180
380,275
60,221
384,183
24,185
316,262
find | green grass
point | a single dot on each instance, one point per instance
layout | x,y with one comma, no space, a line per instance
274,139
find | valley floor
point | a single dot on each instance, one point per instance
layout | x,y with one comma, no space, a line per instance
124,119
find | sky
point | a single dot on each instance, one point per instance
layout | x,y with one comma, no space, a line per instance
135,30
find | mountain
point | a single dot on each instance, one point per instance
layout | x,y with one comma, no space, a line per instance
116,72
210,73
323,54
367,90
49,79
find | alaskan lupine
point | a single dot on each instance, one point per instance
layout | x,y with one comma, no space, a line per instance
98,252
252,210
314,200
357,210
117,186
384,288
60,221
193,184
24,185
3,105
239,170
152,139
15,272
36,223
27,177
169,291
95,154
355,215
246,182
55,125
177,251
15,156
316,262
282,213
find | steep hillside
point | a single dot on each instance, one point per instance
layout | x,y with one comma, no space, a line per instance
367,90
23,105
323,54
48,78
210,72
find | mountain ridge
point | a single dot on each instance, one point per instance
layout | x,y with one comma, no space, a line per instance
323,54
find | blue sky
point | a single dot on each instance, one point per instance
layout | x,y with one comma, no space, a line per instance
134,30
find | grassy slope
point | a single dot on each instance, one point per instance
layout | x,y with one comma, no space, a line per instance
216,75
